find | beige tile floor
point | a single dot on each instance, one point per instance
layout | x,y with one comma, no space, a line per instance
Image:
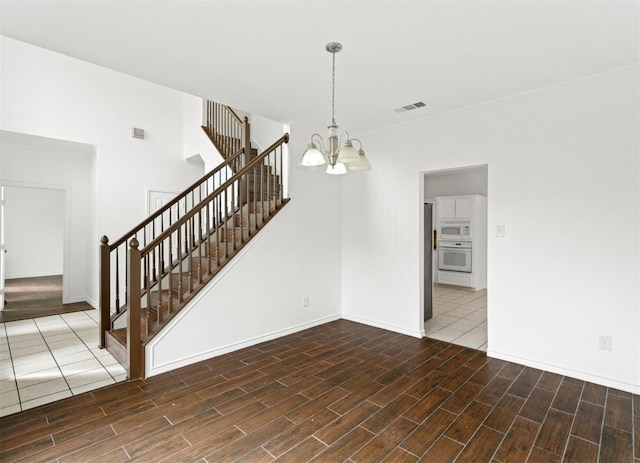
459,317
49,358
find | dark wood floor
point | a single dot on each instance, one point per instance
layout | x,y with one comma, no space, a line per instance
36,297
337,392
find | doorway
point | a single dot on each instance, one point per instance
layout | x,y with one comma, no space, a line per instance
34,230
459,312
52,168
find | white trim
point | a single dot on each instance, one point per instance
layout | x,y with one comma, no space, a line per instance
632,388
384,326
32,275
73,300
162,368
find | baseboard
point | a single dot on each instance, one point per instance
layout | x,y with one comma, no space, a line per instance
608,382
153,370
384,326
73,300
32,275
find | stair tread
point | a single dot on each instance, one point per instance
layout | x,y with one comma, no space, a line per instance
119,335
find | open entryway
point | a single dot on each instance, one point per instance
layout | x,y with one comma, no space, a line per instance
455,255
35,252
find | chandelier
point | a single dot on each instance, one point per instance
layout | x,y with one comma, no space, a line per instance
340,159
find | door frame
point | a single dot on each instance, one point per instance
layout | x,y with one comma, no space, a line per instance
421,187
66,242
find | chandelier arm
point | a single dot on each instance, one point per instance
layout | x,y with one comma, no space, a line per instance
346,134
359,142
319,139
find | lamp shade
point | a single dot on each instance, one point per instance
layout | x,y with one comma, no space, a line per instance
338,169
312,157
361,164
348,153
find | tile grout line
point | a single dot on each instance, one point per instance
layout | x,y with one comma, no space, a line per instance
86,346
573,420
54,357
13,368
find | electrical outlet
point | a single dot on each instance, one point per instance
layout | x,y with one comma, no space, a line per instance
605,342
305,301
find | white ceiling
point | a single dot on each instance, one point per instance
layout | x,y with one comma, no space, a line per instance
268,57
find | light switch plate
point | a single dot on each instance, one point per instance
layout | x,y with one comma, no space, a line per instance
500,231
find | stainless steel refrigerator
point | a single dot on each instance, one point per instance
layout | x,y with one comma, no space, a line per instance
428,261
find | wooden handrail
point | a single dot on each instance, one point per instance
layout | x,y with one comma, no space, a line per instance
233,113
194,210
175,200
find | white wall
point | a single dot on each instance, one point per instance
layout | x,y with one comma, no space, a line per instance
52,95
195,140
264,132
34,231
563,168
261,296
30,161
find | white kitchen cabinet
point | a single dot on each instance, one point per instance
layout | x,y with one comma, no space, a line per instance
452,207
471,209
455,278
464,208
446,208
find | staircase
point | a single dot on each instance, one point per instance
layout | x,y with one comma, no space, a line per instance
149,274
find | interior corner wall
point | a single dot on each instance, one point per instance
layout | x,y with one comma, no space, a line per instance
51,95
563,174
296,256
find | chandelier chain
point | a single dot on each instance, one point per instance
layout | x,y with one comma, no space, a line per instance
333,89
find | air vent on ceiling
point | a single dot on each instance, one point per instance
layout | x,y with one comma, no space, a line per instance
410,107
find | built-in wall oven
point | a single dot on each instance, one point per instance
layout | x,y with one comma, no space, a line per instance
454,256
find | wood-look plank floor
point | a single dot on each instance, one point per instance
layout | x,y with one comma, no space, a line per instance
337,392
36,297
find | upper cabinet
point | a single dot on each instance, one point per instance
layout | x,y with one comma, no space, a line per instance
455,207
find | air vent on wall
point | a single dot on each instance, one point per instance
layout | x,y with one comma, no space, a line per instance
410,107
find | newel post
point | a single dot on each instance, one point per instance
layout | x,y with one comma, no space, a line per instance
105,288
134,347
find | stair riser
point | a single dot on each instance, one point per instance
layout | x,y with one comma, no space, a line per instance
263,205
117,349
244,222
225,250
